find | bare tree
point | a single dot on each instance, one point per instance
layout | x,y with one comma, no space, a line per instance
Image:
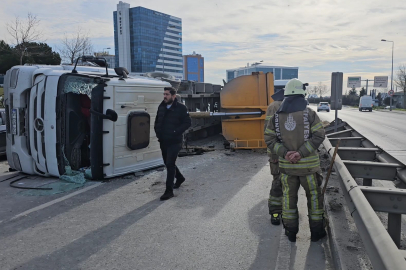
312,91
321,89
75,45
24,32
400,81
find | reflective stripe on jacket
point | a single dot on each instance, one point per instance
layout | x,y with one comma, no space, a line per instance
271,110
298,131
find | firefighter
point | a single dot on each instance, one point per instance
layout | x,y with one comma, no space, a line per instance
294,133
275,194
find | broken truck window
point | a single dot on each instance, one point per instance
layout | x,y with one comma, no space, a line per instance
79,85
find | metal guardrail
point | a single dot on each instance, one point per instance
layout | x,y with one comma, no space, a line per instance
360,158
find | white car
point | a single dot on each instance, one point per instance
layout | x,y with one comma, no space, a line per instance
323,106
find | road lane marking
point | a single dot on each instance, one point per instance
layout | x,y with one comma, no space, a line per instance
45,205
390,127
284,252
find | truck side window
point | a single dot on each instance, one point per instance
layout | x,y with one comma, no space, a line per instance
138,130
13,78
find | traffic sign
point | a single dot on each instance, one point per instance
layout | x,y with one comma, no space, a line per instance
336,91
391,92
354,82
381,81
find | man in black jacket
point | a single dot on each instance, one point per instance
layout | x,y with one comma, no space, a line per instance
171,121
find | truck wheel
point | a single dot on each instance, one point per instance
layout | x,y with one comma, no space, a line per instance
328,110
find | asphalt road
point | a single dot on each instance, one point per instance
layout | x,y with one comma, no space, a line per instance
385,129
218,219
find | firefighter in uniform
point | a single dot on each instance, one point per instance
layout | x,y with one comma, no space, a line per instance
275,194
294,133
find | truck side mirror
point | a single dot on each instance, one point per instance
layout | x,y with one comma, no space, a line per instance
120,71
110,114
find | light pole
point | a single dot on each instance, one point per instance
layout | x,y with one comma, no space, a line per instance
391,77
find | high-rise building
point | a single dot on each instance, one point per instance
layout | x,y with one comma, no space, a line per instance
193,67
281,74
147,40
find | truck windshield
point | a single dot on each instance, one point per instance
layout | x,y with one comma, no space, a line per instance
79,84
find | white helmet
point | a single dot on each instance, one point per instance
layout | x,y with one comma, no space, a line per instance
295,87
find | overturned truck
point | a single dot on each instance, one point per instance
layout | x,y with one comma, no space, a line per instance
63,118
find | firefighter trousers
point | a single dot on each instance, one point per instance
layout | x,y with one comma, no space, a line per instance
311,184
275,194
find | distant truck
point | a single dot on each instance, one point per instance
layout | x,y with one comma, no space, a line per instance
366,103
61,116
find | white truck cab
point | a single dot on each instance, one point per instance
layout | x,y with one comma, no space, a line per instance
58,116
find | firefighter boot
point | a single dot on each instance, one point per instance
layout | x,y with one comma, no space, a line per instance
291,235
317,232
276,218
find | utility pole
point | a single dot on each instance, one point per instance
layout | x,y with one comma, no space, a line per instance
367,84
391,79
367,88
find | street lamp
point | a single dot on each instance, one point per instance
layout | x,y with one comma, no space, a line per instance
391,79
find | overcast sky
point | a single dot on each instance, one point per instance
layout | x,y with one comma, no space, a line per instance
319,37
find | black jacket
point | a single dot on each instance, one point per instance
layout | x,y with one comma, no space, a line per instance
171,123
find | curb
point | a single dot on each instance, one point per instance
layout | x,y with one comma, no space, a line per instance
400,112
336,253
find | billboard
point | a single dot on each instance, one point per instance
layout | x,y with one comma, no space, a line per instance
354,82
381,81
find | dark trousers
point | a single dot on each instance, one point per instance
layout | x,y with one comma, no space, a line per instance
169,154
276,193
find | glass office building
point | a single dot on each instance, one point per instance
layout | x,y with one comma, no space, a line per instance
147,40
281,74
193,67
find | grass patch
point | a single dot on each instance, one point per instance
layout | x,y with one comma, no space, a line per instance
383,108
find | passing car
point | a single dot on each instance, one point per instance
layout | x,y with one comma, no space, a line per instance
323,106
